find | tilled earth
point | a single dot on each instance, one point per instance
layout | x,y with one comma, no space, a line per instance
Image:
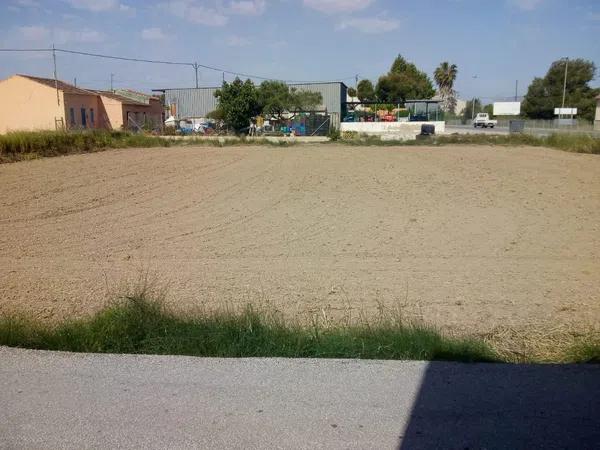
464,237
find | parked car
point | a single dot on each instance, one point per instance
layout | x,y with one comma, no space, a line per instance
483,120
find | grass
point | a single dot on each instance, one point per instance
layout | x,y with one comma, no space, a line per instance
25,145
572,142
138,324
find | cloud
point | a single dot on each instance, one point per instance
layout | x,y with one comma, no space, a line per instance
27,4
337,6
526,5
153,34
99,5
371,25
248,7
195,12
237,41
60,36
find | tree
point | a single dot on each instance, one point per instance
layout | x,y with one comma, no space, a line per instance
404,81
545,94
365,91
351,92
238,102
471,109
444,76
277,98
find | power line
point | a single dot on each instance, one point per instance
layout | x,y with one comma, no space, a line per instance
194,65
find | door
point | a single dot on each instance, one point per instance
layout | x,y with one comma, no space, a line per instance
83,119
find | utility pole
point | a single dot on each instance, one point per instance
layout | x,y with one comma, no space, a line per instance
112,76
75,81
565,83
516,89
195,66
473,108
223,77
55,75
356,85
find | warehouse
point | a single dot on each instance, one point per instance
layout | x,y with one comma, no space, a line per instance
187,103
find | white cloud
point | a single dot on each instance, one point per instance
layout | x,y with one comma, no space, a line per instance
60,36
338,6
193,11
27,3
237,41
100,5
248,7
526,5
153,34
371,25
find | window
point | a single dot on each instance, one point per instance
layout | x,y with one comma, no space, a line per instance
83,118
92,116
72,116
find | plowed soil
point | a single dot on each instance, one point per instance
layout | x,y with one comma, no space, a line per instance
463,237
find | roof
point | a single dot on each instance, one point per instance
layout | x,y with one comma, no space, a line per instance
119,98
137,93
313,83
61,85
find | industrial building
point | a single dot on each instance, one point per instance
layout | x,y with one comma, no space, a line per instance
189,103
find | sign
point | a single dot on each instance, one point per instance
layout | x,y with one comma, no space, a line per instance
565,111
507,108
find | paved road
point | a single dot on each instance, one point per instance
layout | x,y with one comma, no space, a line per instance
469,129
61,400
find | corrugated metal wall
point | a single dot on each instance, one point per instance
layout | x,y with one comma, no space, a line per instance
192,102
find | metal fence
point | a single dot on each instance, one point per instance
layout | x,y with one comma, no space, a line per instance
579,125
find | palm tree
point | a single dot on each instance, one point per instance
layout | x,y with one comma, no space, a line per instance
444,76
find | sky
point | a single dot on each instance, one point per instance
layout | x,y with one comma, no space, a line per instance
493,43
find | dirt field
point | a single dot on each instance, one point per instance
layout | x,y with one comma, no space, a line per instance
465,237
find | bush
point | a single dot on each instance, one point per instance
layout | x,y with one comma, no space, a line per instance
334,134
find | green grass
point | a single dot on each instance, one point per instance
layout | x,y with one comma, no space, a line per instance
140,325
24,145
572,142
586,352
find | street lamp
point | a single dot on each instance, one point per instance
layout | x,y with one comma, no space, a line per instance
473,103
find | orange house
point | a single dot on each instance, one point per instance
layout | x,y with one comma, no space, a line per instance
34,103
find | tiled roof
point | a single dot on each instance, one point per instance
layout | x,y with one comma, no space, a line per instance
120,98
65,87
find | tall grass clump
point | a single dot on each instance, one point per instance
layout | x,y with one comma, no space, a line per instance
15,146
572,142
138,324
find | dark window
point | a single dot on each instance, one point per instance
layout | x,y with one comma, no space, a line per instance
72,116
92,116
83,118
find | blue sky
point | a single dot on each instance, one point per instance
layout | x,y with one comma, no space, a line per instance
498,41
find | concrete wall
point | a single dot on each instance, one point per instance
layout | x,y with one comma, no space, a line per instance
391,130
81,102
597,121
28,105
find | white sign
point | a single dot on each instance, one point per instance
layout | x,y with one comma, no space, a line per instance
565,111
507,108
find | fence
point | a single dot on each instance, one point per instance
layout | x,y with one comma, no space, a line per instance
579,125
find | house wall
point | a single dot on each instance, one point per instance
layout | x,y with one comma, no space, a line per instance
597,121
81,102
111,113
141,114
28,105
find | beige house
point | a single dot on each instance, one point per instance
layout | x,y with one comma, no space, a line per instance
34,103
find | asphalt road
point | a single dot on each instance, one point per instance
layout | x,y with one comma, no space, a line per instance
61,400
469,129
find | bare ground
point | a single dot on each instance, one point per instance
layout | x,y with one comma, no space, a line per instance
468,238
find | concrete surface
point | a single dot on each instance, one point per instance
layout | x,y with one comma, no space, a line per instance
391,130
51,400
